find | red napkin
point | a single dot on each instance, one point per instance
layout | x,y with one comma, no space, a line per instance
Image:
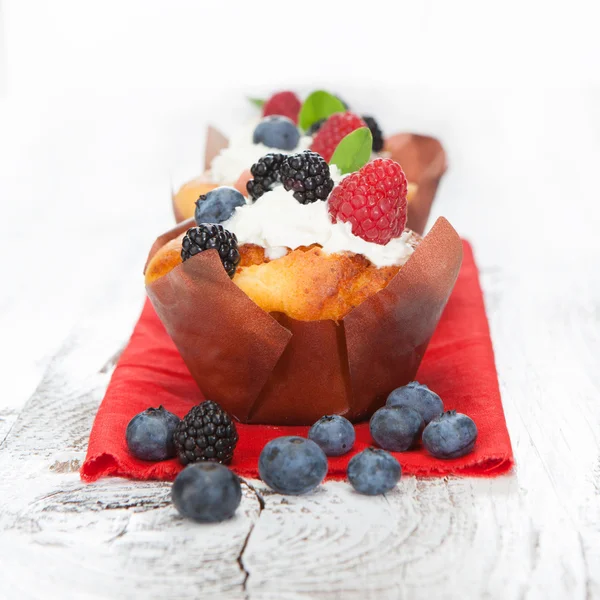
458,365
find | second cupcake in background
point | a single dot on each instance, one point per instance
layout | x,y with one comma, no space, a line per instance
284,127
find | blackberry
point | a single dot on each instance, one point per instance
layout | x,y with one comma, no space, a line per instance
209,236
375,132
307,174
266,173
315,127
207,432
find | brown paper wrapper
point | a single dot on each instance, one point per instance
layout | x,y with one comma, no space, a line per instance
422,158
424,161
271,369
215,142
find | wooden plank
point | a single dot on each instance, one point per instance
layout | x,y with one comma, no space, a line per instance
113,538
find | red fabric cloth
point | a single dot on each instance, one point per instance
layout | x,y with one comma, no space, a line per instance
458,365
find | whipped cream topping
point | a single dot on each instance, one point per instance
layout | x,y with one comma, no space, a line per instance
242,153
277,221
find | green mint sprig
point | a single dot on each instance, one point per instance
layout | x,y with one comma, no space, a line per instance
258,102
354,151
318,105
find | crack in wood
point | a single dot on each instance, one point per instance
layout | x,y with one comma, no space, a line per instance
240,558
6,416
120,534
535,549
587,582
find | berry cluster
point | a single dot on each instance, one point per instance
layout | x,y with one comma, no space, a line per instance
294,465
207,491
286,105
413,410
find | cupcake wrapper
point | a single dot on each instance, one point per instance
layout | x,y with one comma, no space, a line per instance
271,369
424,161
215,142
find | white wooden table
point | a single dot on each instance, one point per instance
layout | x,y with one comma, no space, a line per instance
84,188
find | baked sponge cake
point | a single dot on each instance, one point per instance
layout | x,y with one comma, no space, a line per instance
305,284
309,296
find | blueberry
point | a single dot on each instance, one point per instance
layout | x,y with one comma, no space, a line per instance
149,434
292,465
277,132
451,435
373,472
206,492
396,428
419,397
218,205
335,435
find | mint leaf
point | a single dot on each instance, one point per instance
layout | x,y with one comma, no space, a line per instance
319,105
353,151
258,102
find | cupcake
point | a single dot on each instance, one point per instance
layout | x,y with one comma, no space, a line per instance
310,297
227,162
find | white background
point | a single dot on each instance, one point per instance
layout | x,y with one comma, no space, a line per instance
103,104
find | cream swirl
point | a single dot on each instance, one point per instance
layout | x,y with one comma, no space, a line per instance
276,220
242,153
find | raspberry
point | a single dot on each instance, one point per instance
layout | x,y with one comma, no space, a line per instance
207,432
208,236
375,132
333,131
286,104
373,200
307,174
266,173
